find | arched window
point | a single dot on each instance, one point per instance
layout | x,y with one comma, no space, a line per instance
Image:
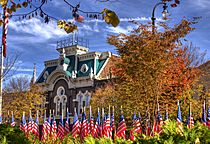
87,98
60,101
82,100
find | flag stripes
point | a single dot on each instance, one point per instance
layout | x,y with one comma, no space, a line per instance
5,30
97,130
121,127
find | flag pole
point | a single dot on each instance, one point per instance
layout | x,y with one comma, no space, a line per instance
90,112
50,114
112,125
2,65
75,109
109,112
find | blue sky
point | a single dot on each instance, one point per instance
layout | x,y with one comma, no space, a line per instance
36,41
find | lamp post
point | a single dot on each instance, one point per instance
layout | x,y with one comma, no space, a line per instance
164,13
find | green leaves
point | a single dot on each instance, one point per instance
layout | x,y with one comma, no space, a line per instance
10,134
110,17
69,27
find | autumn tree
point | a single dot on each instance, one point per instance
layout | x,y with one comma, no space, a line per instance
152,67
20,96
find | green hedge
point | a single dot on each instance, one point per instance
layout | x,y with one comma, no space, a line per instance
12,135
170,135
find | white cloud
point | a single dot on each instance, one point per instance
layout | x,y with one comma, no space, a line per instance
124,19
86,27
22,75
201,3
24,70
37,28
40,32
119,29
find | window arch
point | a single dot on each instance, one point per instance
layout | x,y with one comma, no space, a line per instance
60,101
87,98
82,100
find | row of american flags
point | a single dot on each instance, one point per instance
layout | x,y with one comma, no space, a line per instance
101,127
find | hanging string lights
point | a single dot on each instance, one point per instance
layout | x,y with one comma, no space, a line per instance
77,14
80,18
38,11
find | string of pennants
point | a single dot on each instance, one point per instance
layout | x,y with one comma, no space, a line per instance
105,128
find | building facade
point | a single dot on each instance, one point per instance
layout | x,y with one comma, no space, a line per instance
71,79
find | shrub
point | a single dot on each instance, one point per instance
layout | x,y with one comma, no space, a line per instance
11,135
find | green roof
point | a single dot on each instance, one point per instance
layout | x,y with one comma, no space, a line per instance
89,63
49,70
99,64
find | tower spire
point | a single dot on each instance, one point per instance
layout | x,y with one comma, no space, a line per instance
33,80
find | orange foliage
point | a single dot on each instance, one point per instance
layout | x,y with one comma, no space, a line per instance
153,66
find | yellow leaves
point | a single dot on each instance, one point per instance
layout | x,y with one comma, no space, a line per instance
13,8
110,17
69,27
3,2
61,24
25,101
1,22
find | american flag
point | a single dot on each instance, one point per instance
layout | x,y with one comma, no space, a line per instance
5,29
84,126
148,125
60,133
44,128
36,126
48,125
54,129
190,122
67,125
159,122
91,124
208,118
179,117
98,126
103,123
166,115
113,126
121,127
30,124
23,125
154,127
136,127
13,120
107,127
76,125
204,114
139,118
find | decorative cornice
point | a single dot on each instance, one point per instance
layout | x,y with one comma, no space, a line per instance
88,56
51,63
73,50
